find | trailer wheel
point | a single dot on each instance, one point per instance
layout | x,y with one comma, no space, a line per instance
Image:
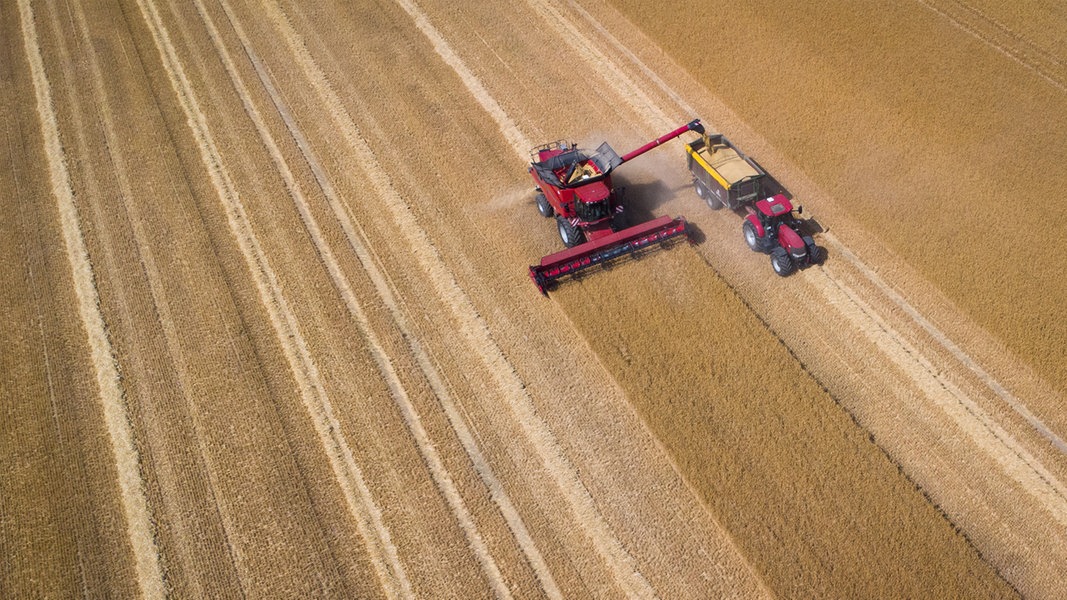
751,238
543,206
707,195
781,262
570,234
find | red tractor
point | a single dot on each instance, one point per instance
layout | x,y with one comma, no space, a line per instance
723,176
575,187
770,226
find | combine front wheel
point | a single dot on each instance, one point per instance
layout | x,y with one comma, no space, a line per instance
570,234
543,206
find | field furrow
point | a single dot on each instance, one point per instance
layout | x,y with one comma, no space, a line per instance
138,519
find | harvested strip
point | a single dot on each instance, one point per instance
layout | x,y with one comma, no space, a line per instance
150,577
472,327
155,282
356,238
687,109
518,140
368,516
385,366
610,72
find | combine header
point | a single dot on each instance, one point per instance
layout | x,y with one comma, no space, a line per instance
575,187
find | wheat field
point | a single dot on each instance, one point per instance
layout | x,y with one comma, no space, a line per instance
268,329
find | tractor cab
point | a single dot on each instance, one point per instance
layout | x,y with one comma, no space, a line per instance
775,206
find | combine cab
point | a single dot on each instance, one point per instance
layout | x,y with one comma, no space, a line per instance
575,187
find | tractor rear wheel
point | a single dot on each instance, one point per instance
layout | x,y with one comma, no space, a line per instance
543,206
781,262
570,234
751,237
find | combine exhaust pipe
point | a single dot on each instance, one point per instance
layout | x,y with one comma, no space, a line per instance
604,250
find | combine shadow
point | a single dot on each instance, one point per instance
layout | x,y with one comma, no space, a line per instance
642,200
696,235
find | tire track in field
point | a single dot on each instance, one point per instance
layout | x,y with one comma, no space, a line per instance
368,517
983,430
608,70
473,328
155,279
1014,50
1018,37
442,478
619,46
894,298
150,576
1010,399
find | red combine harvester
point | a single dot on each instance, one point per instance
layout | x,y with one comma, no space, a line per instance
575,187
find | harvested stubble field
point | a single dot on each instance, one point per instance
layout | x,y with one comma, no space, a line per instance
267,328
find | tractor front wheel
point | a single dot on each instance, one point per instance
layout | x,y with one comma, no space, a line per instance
781,262
543,206
815,253
570,234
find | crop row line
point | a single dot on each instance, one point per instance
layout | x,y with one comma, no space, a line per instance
150,577
360,500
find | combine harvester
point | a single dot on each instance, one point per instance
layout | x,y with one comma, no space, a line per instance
723,176
575,187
